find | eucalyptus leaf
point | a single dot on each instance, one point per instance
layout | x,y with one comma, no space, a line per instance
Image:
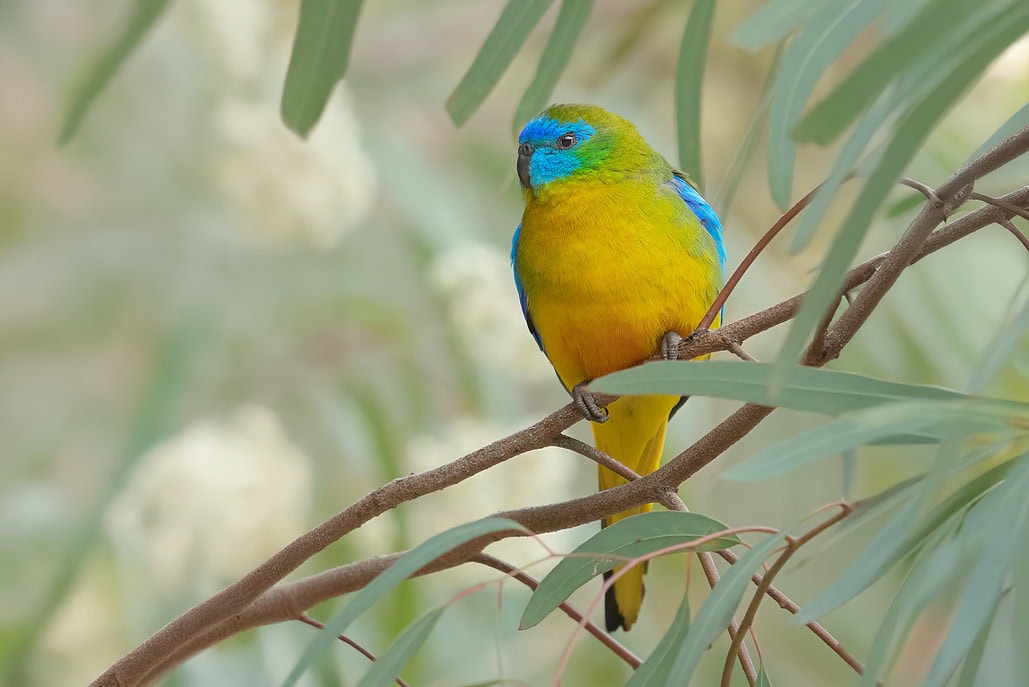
716,612
689,77
816,390
628,538
556,56
388,666
407,565
102,68
513,27
775,20
656,670
911,133
319,60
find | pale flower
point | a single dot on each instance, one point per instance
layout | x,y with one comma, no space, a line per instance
206,506
287,189
477,282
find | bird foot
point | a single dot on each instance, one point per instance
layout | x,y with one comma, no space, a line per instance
670,345
585,402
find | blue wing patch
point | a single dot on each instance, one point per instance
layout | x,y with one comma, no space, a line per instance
704,212
521,291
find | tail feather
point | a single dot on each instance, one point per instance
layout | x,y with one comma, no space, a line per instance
634,435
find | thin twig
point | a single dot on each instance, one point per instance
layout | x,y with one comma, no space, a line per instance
596,455
304,618
792,547
1007,224
736,349
1010,207
610,642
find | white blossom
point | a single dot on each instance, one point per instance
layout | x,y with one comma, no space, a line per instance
477,282
206,506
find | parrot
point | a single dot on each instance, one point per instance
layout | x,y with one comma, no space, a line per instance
617,258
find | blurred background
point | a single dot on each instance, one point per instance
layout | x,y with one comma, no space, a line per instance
214,334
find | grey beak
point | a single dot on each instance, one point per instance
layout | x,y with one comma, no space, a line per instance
524,158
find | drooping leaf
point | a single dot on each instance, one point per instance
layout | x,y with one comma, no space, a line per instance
904,534
319,60
775,20
985,587
810,389
762,678
102,68
741,159
658,666
848,464
974,657
1001,349
1014,123
823,39
388,666
966,417
513,27
689,77
628,538
410,563
834,113
556,55
716,612
911,133
937,61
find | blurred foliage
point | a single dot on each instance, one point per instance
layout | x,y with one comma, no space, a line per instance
205,311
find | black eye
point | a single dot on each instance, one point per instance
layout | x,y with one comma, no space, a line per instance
566,142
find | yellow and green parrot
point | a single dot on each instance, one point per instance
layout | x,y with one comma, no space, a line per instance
617,257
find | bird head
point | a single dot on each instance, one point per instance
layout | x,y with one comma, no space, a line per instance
573,141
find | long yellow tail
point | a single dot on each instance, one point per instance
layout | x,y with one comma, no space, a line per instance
634,435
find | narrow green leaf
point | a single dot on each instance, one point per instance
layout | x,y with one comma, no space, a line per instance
713,617
936,564
503,43
762,678
556,56
629,538
941,19
1020,609
914,128
741,159
966,417
987,582
689,78
848,464
656,670
905,533
937,61
410,563
974,657
102,68
775,20
321,53
815,390
1001,349
822,40
388,666
1013,124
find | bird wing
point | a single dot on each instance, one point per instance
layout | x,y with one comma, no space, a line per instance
704,212
521,292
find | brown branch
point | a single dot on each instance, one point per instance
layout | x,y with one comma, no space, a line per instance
304,618
1010,207
193,630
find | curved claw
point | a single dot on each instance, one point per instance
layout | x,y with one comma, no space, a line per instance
585,402
670,345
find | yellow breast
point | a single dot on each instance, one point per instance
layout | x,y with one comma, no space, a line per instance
608,270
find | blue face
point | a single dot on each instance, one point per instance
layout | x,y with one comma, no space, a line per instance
549,150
